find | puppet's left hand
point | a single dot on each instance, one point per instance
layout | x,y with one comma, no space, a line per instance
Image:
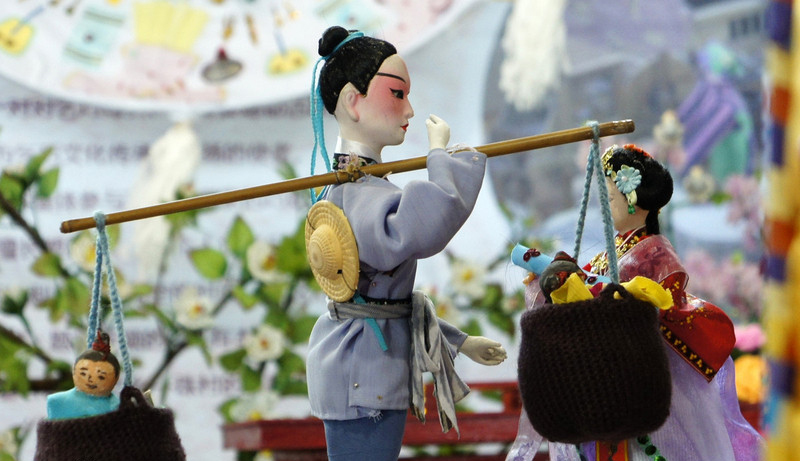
483,350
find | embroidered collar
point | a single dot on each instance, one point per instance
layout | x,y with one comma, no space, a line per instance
342,161
626,241
348,151
623,243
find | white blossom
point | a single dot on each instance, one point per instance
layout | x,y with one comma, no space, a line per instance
264,455
82,250
468,279
8,443
254,406
262,262
193,311
447,310
266,343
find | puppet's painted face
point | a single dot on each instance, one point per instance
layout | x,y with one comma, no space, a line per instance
94,378
385,110
623,221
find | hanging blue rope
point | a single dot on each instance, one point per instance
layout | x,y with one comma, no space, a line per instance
104,256
587,184
317,110
594,166
319,130
94,309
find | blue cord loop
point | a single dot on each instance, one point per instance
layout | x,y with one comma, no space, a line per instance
373,324
317,110
104,259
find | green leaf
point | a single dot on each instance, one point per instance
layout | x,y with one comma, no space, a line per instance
502,321
139,290
59,366
14,305
225,409
232,361
196,339
245,299
12,189
210,263
47,265
278,318
47,183
35,164
240,237
292,253
14,366
271,294
251,379
286,171
182,219
493,297
291,362
79,297
290,378
113,236
73,298
165,388
163,318
473,328
301,329
246,455
7,457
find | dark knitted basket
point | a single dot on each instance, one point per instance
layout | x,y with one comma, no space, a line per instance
134,432
594,370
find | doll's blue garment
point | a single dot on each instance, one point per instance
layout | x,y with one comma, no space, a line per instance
376,438
76,404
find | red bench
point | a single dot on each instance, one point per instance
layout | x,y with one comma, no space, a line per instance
304,439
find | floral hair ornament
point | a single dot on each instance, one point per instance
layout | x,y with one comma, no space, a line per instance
316,114
637,149
626,178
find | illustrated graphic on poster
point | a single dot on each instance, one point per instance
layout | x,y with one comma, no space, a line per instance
195,55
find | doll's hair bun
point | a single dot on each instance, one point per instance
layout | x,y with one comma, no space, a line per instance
330,39
353,61
102,342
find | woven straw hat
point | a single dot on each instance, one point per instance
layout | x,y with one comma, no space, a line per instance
332,251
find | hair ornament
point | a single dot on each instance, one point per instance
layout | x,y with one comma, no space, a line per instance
606,159
101,343
352,35
627,179
637,149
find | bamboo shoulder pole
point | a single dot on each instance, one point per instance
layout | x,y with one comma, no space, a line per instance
204,201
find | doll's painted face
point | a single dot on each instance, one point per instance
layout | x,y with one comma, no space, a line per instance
385,110
623,221
94,377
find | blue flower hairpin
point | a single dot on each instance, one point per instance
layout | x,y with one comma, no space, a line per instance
627,180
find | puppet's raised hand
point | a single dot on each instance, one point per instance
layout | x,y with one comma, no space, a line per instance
483,350
438,132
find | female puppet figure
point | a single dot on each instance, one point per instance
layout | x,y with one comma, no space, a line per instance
361,378
95,373
704,421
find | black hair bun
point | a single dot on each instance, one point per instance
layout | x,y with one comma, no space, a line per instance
330,39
